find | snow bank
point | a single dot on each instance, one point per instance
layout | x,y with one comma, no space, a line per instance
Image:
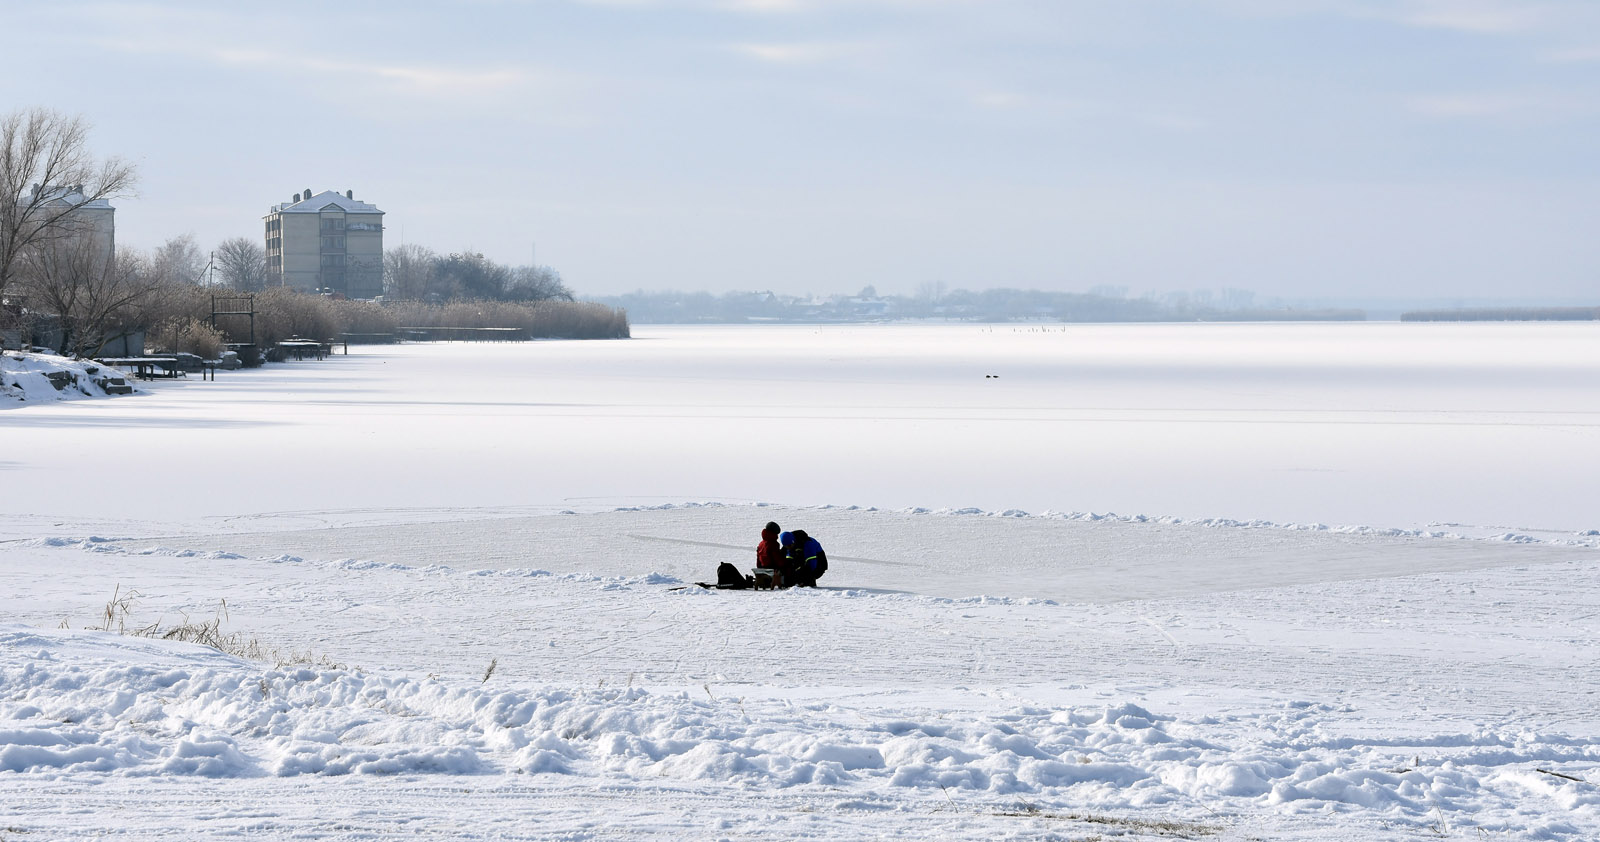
42,378
1584,538
94,704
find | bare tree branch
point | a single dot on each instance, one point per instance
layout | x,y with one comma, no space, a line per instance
47,177
179,260
95,292
242,263
408,272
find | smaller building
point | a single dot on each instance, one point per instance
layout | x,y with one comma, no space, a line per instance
83,217
328,242
81,239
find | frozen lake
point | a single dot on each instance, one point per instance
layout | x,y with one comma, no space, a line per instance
1487,426
481,554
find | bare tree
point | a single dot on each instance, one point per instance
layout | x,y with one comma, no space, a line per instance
242,264
415,273
536,283
469,274
409,271
94,292
47,176
178,260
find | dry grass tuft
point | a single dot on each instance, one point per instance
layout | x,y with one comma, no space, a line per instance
1148,827
119,610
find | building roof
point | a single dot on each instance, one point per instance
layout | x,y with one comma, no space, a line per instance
71,194
316,203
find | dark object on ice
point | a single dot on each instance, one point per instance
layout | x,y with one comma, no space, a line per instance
729,578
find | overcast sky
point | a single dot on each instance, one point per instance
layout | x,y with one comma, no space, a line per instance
1298,148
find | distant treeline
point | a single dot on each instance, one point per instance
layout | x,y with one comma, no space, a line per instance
1287,314
1505,314
181,318
992,305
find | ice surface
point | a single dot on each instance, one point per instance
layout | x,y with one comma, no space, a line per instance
1387,425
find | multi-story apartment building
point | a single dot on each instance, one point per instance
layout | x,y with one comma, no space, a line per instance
326,243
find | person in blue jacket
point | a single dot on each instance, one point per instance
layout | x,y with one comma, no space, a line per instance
787,566
807,560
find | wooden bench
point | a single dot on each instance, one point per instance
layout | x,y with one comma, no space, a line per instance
146,368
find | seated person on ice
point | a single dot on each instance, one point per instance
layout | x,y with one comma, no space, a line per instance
805,560
769,555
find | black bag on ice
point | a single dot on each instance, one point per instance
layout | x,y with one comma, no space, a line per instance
729,577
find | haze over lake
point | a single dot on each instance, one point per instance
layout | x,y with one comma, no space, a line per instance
1482,425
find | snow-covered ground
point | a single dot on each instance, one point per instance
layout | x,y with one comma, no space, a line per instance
391,524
